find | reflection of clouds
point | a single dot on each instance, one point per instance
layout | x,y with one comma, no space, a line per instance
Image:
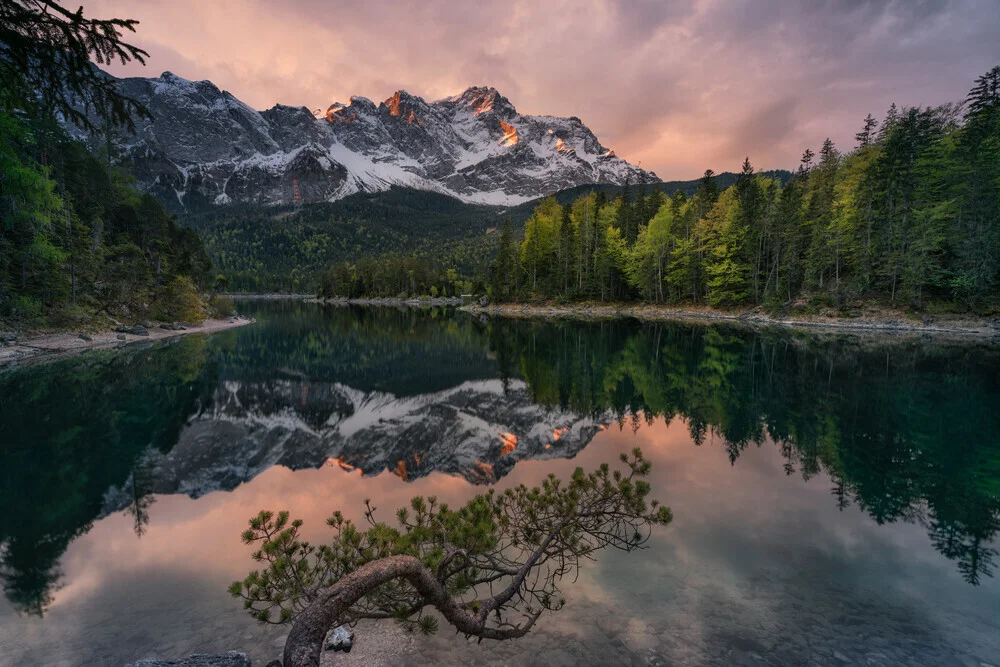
755,561
759,556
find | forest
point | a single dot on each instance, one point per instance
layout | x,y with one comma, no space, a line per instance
909,217
288,248
78,240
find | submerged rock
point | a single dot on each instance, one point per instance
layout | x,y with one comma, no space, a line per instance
339,639
231,659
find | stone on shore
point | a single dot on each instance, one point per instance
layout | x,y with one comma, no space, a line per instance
137,330
231,659
339,639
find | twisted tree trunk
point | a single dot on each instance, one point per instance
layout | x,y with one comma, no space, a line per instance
305,641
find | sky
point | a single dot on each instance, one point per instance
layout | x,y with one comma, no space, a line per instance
676,86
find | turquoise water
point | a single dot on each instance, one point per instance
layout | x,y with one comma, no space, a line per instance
836,498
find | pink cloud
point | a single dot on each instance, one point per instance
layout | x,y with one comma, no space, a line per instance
678,86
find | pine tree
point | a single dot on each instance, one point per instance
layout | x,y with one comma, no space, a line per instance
806,162
867,134
823,254
45,62
567,245
891,118
502,274
707,193
626,208
725,235
978,250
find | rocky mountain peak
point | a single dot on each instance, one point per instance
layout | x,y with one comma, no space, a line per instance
204,146
404,106
483,99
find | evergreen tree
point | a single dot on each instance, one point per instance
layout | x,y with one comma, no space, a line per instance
566,252
978,226
867,134
45,62
626,213
708,192
823,254
806,162
725,234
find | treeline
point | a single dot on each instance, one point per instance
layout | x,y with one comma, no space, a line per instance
395,276
912,212
287,249
77,238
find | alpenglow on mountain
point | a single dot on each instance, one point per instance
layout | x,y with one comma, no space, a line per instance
204,146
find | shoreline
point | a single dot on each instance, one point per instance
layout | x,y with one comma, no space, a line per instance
390,301
965,327
61,344
275,295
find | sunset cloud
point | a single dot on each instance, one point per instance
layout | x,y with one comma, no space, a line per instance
677,86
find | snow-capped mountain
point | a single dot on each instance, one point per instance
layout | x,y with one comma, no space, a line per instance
205,146
476,430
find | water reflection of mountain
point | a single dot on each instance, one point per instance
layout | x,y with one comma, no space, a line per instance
906,431
477,430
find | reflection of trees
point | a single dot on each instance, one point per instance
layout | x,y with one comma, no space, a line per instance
138,488
70,431
403,350
906,431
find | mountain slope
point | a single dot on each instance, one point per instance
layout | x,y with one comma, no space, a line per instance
204,146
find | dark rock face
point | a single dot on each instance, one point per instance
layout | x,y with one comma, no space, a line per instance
231,659
205,147
475,430
137,330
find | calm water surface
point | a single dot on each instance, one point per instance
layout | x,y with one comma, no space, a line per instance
836,500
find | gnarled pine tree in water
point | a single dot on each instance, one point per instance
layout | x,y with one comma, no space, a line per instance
490,568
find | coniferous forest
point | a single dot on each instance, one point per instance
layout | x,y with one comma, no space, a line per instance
909,216
78,240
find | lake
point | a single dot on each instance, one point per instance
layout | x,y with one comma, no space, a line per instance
836,499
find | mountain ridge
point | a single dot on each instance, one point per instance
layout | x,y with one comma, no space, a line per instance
205,146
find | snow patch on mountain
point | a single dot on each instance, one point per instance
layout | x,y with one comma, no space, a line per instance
203,144
477,430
